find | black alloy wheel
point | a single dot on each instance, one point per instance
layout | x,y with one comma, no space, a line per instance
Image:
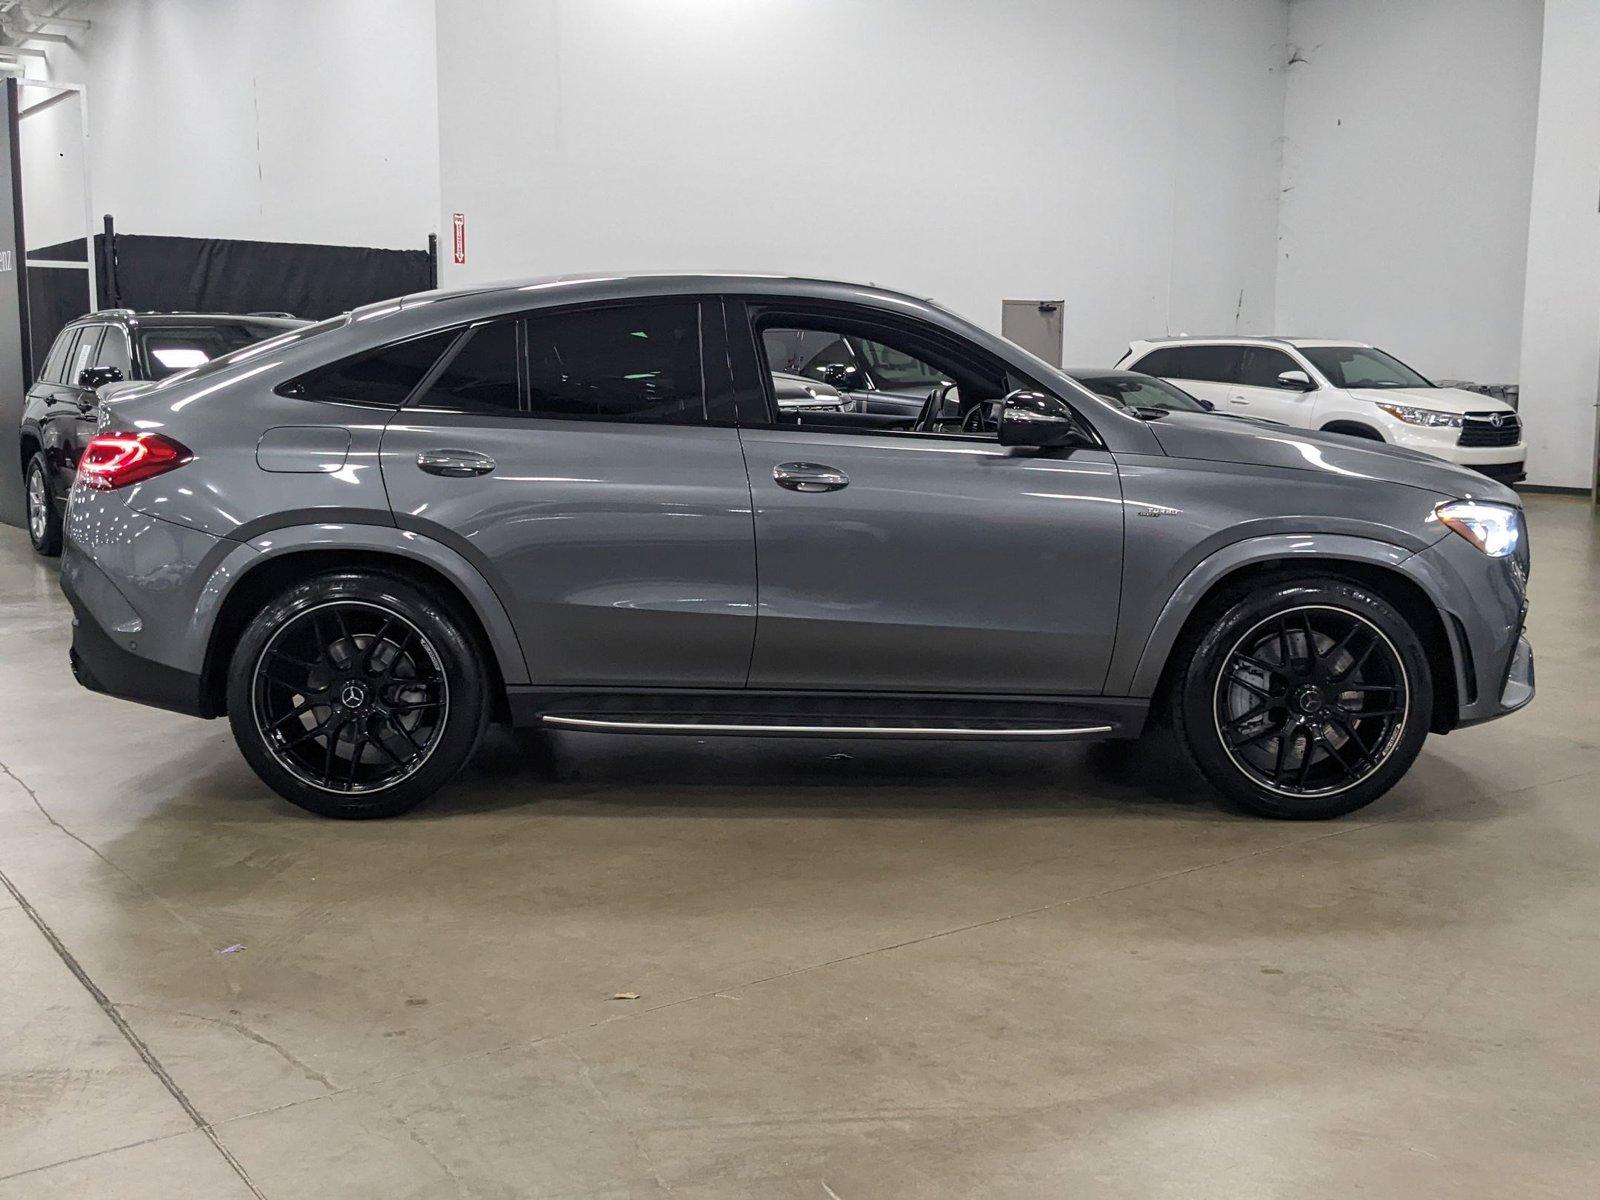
350,697
357,695
1301,698
1311,701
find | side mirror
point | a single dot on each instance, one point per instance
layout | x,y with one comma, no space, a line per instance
841,375
1205,404
1034,419
1296,380
96,377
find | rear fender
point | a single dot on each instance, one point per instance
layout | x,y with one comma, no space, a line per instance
404,546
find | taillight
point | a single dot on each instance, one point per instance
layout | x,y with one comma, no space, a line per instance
115,460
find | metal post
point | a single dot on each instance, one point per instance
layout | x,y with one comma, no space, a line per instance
110,292
433,260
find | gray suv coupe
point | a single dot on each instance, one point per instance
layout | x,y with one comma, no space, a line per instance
577,504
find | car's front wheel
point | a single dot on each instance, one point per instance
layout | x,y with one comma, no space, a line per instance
356,694
1303,698
44,521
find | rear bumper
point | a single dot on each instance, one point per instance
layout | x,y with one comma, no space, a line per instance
112,641
101,665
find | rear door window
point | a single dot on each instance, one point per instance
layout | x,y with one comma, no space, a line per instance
1211,364
481,377
634,362
114,352
83,353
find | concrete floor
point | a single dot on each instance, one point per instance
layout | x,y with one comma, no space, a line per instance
957,972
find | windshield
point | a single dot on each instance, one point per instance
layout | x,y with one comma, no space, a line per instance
247,351
1143,391
1362,367
170,349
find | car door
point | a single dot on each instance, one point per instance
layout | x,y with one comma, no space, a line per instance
891,560
569,454
1260,394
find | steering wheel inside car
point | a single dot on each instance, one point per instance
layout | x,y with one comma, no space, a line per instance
984,417
932,414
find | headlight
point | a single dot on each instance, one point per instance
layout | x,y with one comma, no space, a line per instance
1493,528
1429,417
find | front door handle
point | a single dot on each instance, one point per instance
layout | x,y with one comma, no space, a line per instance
809,477
455,464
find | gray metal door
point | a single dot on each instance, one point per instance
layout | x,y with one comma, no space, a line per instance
1035,325
624,553
938,564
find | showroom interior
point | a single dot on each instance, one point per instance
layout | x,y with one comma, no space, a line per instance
903,909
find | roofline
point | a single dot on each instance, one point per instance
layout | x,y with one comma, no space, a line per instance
1268,339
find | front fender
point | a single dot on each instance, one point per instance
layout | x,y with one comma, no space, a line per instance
1138,662
401,544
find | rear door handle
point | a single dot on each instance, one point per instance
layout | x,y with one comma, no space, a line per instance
809,477
455,464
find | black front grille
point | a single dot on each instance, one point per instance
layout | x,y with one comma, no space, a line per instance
1479,429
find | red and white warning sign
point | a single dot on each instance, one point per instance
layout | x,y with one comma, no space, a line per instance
458,226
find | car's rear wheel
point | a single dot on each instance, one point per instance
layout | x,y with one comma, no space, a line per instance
356,695
1303,698
44,521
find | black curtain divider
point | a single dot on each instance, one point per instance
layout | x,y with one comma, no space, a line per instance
151,273
165,274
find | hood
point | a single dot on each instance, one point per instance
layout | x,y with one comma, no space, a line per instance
1217,438
1443,399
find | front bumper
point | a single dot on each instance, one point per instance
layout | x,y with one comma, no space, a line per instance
1518,689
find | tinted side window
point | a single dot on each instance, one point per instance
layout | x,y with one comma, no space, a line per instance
382,377
482,376
1158,362
83,353
634,363
1212,364
55,366
114,351
1262,367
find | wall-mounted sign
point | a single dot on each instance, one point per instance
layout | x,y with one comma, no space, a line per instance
458,226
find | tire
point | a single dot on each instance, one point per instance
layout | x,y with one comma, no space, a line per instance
43,517
336,690
1290,734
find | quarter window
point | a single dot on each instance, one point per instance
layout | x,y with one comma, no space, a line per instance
382,378
637,363
1159,362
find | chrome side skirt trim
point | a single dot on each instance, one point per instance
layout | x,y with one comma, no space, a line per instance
603,725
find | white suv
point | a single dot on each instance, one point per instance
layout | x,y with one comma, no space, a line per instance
1341,387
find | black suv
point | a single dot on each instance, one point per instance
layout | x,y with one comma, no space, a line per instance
60,413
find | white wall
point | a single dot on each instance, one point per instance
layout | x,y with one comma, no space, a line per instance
1407,163
1122,157
285,120
1561,317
